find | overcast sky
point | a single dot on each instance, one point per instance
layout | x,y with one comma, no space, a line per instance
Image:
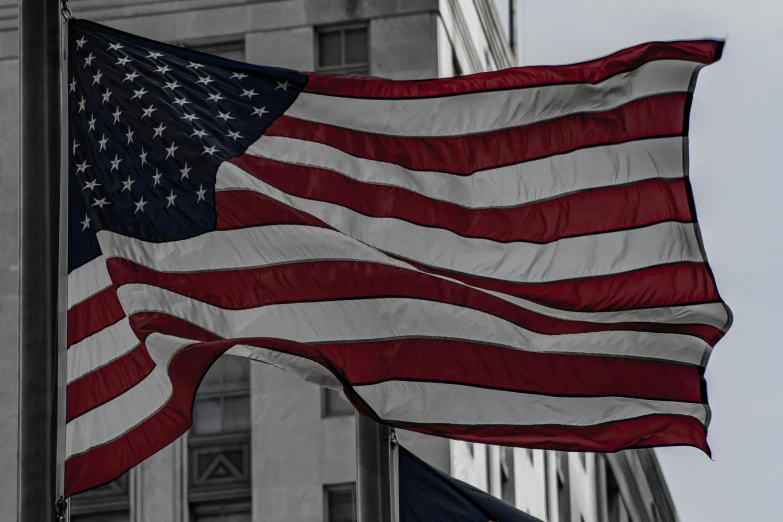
736,136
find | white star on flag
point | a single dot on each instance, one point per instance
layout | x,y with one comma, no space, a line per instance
171,199
115,163
201,193
159,130
126,185
170,150
131,76
140,205
82,167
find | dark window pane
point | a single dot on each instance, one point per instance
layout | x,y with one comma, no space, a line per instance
206,416
236,414
356,46
236,373
341,503
329,49
221,512
335,405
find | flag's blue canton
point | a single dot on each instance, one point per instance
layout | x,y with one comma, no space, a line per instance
149,125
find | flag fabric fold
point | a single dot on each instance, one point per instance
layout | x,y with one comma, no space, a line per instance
510,257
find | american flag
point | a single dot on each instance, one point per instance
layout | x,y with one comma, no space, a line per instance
510,257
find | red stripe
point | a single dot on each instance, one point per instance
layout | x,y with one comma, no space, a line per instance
665,285
93,315
330,280
107,382
643,432
463,155
588,212
514,370
369,362
594,71
237,207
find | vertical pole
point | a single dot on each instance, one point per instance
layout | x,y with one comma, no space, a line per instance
512,29
372,452
40,120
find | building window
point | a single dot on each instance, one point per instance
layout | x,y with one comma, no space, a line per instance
108,503
343,49
219,475
232,50
223,400
340,502
221,512
563,488
507,475
333,405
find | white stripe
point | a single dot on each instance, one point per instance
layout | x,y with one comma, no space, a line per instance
100,349
437,403
569,258
302,367
389,318
510,186
283,244
486,111
87,280
111,420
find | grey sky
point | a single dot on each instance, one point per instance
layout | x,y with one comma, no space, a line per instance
735,140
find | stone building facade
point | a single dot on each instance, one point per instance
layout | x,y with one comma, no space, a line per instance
266,446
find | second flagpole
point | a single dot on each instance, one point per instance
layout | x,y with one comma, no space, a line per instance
373,471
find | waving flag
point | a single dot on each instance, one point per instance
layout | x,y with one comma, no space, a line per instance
509,257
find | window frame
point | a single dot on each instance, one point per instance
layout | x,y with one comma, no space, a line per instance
343,67
327,488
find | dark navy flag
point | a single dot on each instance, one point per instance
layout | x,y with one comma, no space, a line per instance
426,494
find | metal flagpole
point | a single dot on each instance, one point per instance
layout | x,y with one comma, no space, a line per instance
373,470
40,120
